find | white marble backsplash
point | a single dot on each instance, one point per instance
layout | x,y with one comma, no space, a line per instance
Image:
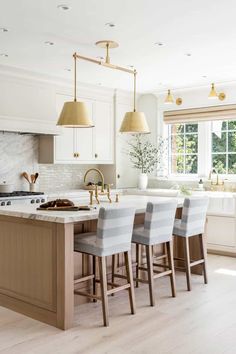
19,153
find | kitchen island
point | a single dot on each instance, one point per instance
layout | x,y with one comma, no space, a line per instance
37,267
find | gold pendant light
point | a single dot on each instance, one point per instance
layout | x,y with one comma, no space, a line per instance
134,122
214,95
75,114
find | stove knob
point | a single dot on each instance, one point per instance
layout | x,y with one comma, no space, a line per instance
37,200
32,201
9,203
42,200
2,203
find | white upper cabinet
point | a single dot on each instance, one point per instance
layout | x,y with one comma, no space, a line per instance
103,132
83,145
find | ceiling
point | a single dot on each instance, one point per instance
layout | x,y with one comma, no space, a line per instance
204,29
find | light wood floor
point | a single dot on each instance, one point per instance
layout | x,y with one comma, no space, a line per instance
203,321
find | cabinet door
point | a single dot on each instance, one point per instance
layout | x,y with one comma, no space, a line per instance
126,175
218,235
84,137
103,132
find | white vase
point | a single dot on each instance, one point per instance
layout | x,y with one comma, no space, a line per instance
142,181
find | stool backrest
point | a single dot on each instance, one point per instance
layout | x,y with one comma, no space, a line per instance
159,220
114,229
194,215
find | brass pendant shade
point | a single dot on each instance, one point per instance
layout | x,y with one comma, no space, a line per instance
134,122
75,114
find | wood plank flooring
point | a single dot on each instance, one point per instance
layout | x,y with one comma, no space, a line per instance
200,322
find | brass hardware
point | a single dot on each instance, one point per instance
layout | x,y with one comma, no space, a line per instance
118,176
218,182
179,101
214,95
170,99
76,154
96,155
117,198
222,96
107,44
91,197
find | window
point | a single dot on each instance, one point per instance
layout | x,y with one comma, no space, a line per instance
195,148
184,148
223,146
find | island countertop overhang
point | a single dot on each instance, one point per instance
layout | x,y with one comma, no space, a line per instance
64,217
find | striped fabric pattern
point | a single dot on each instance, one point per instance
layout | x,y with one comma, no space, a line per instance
193,217
158,224
114,232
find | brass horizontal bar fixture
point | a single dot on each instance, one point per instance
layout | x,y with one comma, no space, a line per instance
74,114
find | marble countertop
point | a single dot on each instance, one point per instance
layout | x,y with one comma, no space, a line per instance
30,212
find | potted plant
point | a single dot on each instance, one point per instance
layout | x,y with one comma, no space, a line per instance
145,156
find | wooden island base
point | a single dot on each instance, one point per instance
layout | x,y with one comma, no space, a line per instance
38,266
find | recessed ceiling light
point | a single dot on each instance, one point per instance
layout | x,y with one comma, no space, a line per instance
188,54
99,57
99,84
63,7
130,66
160,44
2,29
48,43
204,76
4,55
67,69
110,24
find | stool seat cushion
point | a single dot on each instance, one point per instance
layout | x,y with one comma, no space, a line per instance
141,236
87,243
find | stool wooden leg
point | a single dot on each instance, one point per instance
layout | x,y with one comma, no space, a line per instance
113,268
150,274
204,256
187,263
94,279
130,280
103,283
137,264
171,265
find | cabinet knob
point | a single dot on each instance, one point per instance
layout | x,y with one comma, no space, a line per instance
96,155
118,176
76,154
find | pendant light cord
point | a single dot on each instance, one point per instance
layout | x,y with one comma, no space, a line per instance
135,73
75,76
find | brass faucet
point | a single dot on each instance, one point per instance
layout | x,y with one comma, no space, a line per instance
100,174
97,193
218,182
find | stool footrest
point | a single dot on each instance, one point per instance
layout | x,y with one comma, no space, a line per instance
83,293
161,274
80,280
118,288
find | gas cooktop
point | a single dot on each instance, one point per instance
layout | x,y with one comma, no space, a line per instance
19,194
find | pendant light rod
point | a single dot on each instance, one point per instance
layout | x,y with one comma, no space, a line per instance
135,74
108,65
75,77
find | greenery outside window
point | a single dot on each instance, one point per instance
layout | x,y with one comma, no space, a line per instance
183,148
223,146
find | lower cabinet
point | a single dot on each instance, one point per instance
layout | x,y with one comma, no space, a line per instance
221,234
82,145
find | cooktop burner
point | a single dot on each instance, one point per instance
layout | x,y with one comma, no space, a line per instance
19,194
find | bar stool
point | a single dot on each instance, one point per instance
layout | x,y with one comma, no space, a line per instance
192,224
113,236
157,230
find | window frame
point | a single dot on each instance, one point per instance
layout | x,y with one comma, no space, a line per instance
204,154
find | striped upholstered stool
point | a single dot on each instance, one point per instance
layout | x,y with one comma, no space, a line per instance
192,224
157,229
114,232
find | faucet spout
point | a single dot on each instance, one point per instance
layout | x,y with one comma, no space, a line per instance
100,174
